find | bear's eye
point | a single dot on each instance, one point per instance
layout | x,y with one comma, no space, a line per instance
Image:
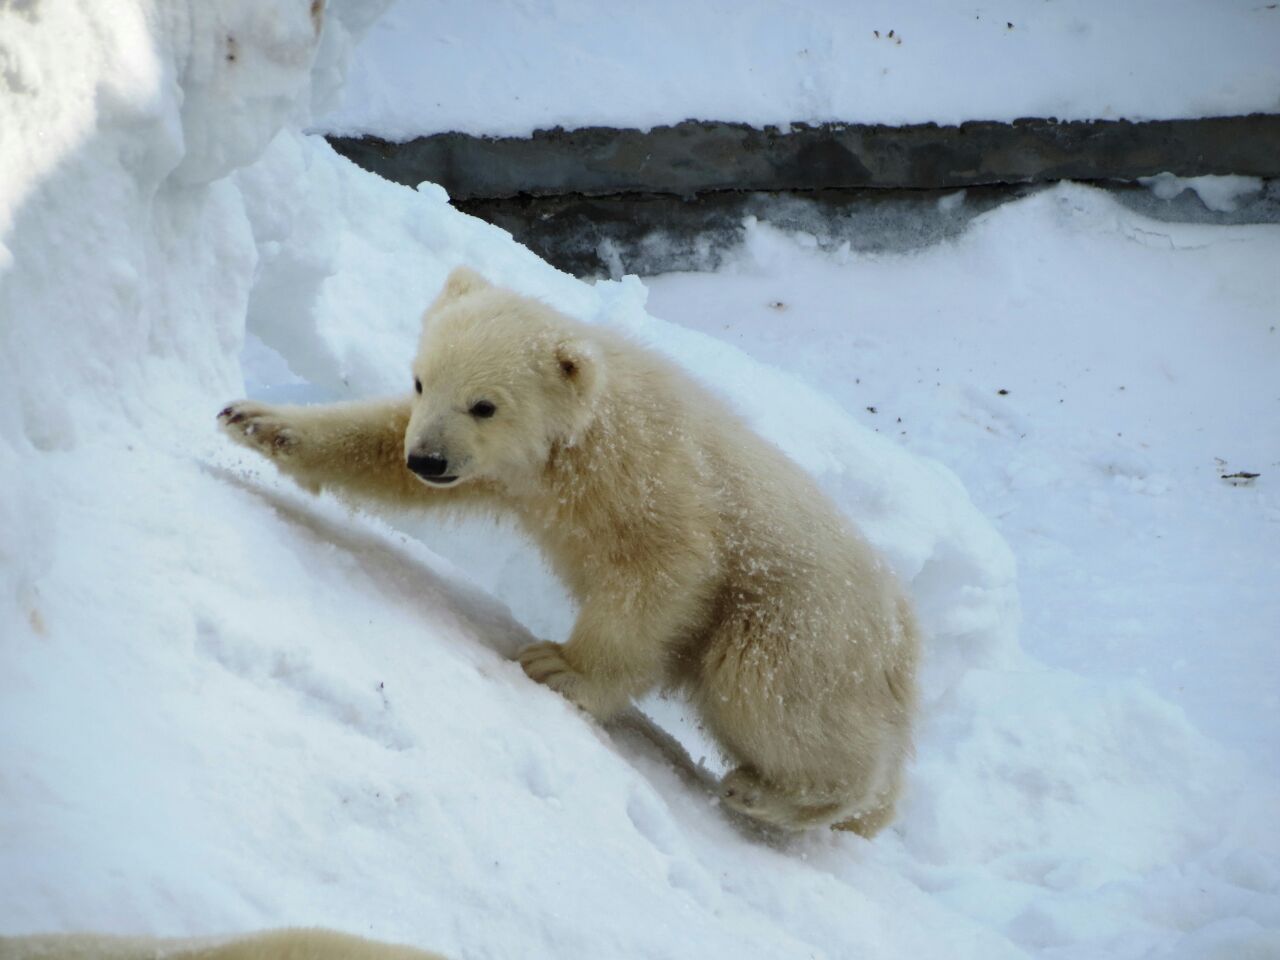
483,409
417,385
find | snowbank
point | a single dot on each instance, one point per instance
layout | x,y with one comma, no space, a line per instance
576,63
227,705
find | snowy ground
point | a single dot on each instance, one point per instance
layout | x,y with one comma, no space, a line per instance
577,63
1091,375
226,705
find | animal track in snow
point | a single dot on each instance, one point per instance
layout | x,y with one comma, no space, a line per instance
366,712
651,820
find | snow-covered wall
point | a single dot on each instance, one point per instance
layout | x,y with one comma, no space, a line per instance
227,705
581,63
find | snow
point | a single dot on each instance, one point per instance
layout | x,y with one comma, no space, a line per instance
1139,361
226,705
581,63
1221,194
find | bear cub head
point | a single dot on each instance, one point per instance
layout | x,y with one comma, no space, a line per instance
498,381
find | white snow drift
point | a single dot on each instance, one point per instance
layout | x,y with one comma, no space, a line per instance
226,705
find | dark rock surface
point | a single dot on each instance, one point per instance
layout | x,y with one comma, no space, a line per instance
649,234
696,157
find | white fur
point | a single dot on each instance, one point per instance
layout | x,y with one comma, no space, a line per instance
700,557
292,944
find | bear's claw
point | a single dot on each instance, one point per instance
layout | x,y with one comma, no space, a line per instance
259,427
544,662
740,789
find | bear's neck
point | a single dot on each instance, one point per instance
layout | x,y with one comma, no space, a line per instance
591,488
583,474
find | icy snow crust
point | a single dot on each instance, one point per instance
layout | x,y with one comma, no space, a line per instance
582,63
226,705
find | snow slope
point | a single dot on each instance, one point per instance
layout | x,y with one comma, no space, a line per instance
579,63
227,705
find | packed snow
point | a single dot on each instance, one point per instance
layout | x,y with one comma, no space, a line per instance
227,705
520,66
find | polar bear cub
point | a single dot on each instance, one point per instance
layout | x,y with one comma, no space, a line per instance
287,944
700,557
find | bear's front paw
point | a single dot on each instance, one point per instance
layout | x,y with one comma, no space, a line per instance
260,427
545,663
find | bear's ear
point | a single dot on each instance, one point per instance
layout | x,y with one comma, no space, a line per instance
461,281
580,366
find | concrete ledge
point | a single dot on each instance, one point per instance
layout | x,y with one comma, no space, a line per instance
696,157
658,233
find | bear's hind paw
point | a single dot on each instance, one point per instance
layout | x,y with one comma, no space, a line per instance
746,792
742,790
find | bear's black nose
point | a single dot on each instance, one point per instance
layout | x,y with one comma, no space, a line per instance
427,466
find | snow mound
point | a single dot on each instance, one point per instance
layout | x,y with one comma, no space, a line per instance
228,705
